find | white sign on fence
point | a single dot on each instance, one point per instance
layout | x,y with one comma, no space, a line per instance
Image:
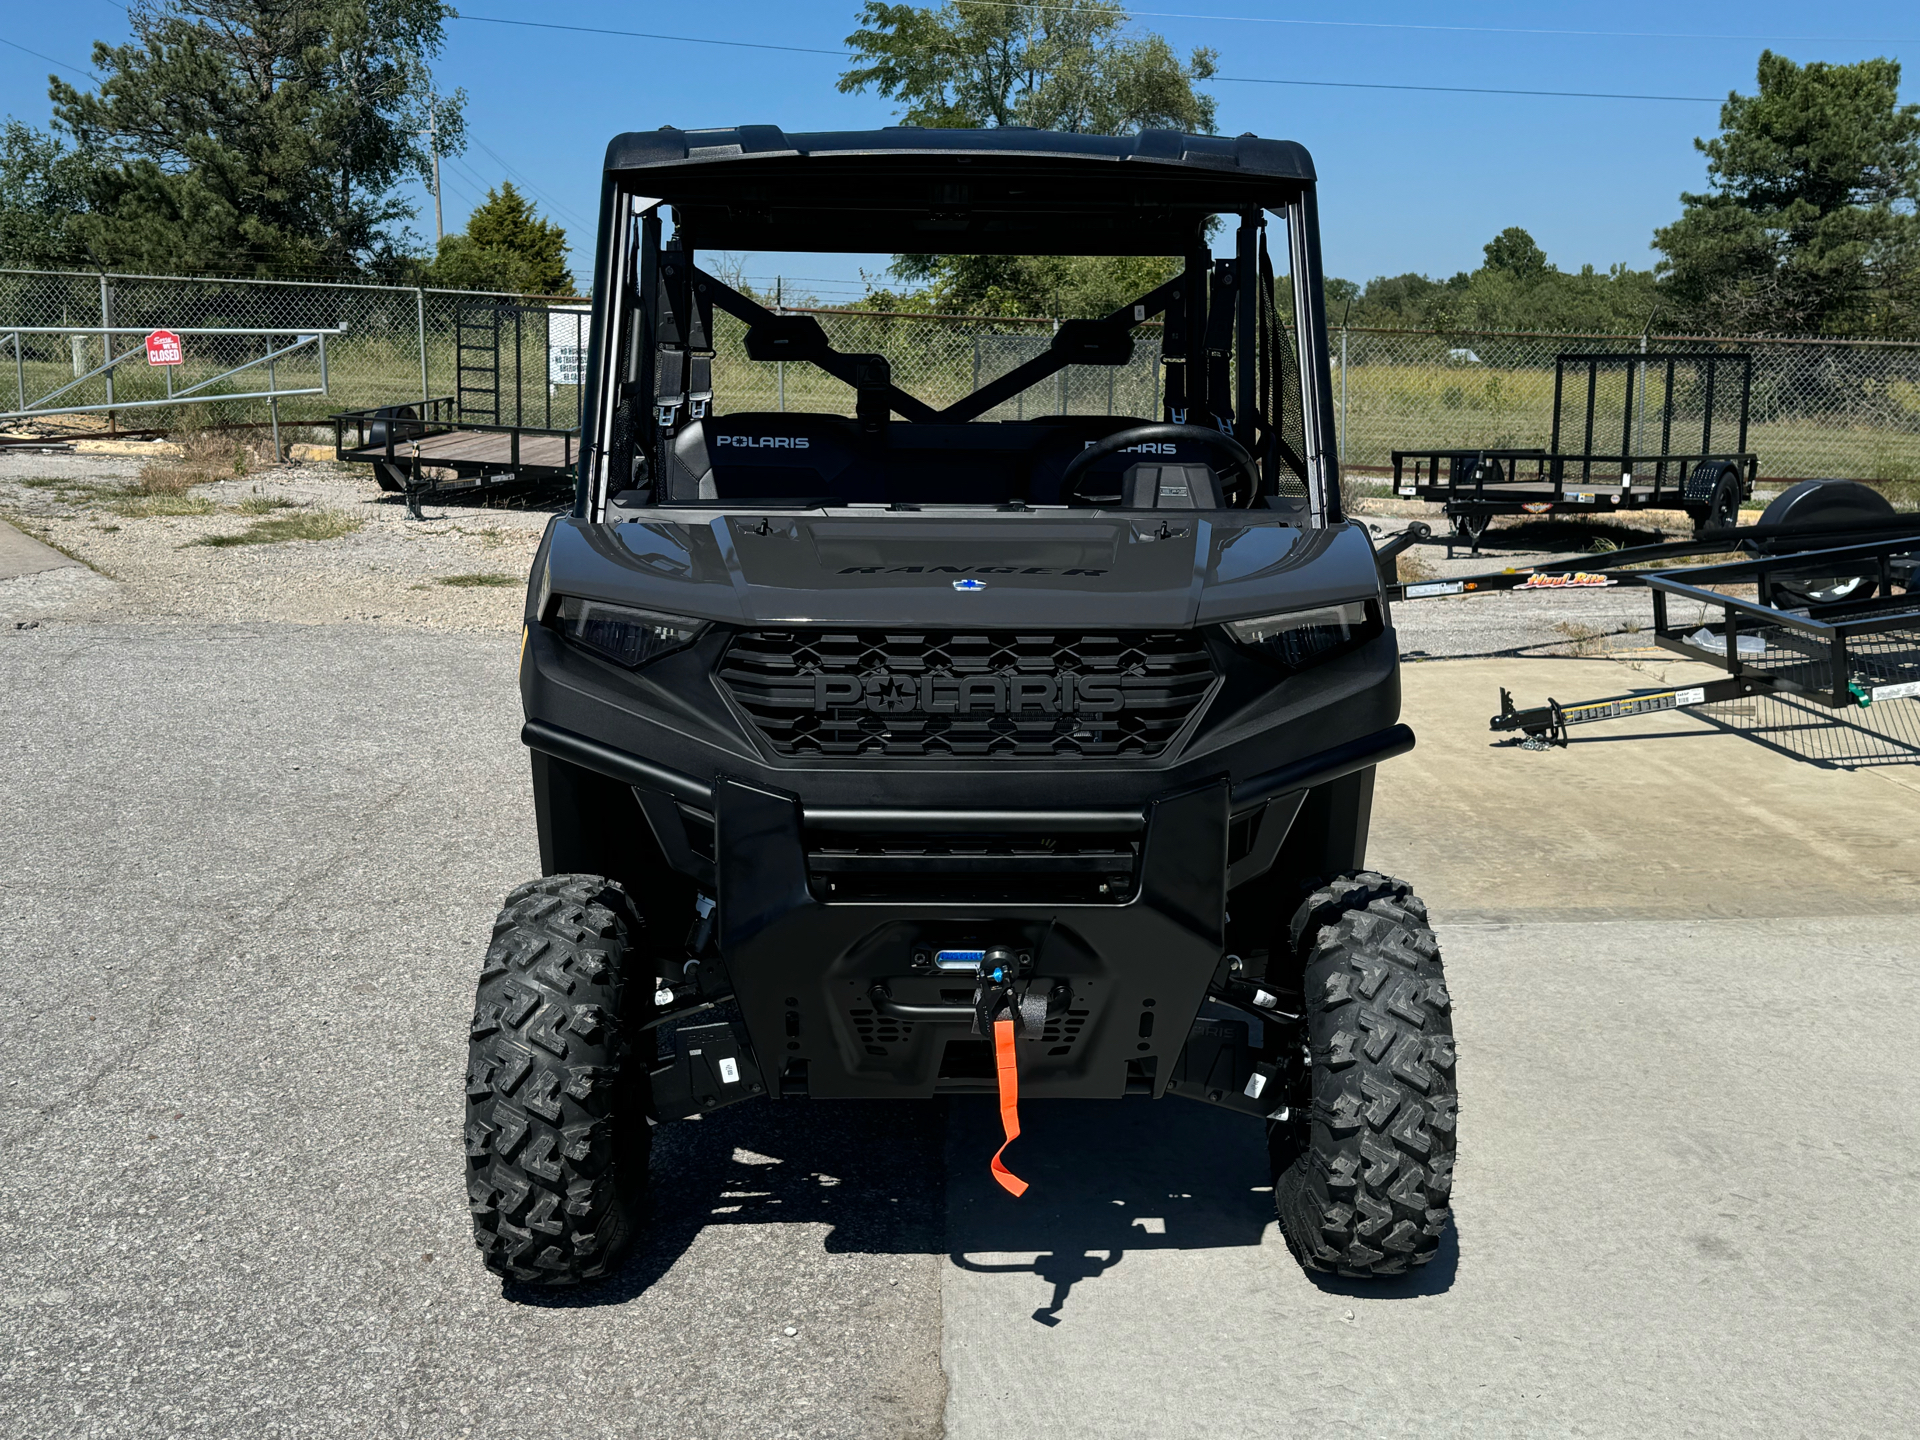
567,331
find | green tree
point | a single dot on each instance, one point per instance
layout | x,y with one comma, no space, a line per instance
1513,252
1516,288
45,187
259,136
1809,222
1066,65
506,247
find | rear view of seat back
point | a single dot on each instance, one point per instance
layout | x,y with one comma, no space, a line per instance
770,455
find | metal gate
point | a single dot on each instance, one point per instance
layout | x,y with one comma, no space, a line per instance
519,364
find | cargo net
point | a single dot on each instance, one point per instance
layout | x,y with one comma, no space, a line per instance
947,693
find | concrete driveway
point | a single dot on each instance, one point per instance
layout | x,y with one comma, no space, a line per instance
246,876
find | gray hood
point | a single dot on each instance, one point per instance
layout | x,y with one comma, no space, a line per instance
1018,569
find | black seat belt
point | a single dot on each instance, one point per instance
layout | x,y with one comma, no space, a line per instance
1220,343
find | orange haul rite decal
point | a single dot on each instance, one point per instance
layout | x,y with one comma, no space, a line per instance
1557,582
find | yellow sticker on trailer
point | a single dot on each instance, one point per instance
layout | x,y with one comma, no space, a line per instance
1632,705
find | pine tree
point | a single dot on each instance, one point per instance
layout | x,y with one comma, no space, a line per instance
506,247
1809,224
259,136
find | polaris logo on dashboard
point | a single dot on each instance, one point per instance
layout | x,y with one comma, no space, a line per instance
763,442
1065,694
1146,447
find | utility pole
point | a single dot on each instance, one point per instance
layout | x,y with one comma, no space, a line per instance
433,140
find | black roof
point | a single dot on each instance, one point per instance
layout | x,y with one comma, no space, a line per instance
1008,190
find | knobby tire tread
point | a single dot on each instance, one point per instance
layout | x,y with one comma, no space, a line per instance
556,1136
1362,1189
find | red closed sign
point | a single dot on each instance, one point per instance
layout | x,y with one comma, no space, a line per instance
163,348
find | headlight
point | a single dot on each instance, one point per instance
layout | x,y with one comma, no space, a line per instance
622,634
1299,638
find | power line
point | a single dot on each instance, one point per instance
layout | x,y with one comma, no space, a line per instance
1458,29
648,35
1464,89
1231,79
70,69
552,203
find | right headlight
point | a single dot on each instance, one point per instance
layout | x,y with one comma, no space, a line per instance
622,634
1297,638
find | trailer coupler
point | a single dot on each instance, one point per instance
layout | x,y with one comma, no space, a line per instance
1544,726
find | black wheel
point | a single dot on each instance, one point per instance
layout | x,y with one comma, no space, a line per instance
1365,1161
557,1136
1714,493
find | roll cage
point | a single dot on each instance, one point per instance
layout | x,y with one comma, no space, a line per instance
1228,360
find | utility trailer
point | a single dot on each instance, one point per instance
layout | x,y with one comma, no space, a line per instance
1697,390
1852,644
512,425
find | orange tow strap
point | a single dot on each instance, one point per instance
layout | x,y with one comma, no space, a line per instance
1010,1103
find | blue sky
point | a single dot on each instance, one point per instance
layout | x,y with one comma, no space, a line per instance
1411,180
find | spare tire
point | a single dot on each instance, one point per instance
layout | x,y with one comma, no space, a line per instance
1825,506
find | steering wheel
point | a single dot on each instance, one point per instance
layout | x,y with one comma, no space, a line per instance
1243,459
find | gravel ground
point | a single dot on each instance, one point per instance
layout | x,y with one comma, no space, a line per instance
393,570
245,905
389,569
1598,622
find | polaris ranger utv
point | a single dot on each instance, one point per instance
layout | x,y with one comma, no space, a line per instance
895,750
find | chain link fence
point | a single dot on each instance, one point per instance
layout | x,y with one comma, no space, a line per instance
1818,408
513,358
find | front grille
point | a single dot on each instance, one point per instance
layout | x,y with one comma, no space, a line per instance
952,693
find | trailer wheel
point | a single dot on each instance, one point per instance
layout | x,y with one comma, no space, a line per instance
1720,485
1823,503
557,1135
1365,1159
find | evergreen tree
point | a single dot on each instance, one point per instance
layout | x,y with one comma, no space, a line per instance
259,136
1809,223
506,247
45,187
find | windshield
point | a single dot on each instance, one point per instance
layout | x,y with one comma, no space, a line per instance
1173,382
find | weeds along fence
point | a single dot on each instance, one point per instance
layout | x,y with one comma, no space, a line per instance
1819,407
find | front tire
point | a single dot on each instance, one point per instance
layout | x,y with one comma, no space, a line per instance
1365,1164
557,1134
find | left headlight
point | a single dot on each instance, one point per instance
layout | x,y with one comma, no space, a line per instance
1298,638
622,634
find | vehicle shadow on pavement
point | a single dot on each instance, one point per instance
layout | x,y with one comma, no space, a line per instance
871,1170
1110,1178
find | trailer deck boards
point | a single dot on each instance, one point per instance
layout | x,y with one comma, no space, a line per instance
489,448
402,442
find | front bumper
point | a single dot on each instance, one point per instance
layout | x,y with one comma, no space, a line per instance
824,930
